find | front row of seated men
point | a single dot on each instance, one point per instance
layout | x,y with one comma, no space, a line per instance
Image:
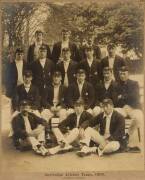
106,130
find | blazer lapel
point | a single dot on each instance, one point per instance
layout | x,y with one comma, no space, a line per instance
60,93
84,88
77,90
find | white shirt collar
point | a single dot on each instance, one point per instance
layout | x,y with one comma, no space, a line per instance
27,85
79,83
109,116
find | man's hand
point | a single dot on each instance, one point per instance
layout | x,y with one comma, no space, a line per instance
36,131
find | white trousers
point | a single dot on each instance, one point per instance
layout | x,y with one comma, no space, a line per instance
73,135
92,134
38,135
69,137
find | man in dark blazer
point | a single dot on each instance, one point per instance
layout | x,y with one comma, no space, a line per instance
106,88
74,125
53,99
28,127
111,134
81,90
14,72
67,67
26,91
42,70
115,62
65,43
33,51
91,66
127,90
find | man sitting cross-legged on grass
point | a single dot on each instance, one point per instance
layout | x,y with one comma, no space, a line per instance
111,134
27,127
71,129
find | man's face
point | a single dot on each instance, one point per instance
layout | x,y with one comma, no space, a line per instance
123,75
111,51
57,80
65,35
42,53
39,37
81,77
107,75
108,108
27,80
89,53
19,56
24,109
79,108
66,55
90,40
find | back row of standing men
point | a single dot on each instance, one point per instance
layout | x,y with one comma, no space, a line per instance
60,78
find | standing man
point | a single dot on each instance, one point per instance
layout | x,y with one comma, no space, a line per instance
127,90
67,67
91,41
65,43
33,51
14,72
113,61
81,90
91,66
28,127
42,70
111,134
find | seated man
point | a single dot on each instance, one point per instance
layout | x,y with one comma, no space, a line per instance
136,121
127,90
53,100
26,91
29,127
110,137
81,90
105,89
72,127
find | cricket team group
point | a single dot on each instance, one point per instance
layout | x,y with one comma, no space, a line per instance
71,99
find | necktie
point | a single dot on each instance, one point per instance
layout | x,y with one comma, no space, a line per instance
65,77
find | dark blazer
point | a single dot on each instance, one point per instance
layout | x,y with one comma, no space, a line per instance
42,76
71,121
93,72
129,91
101,92
47,99
117,125
18,125
71,72
87,94
30,54
118,63
56,51
12,77
21,94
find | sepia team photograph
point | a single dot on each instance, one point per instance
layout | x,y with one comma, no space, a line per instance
72,86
